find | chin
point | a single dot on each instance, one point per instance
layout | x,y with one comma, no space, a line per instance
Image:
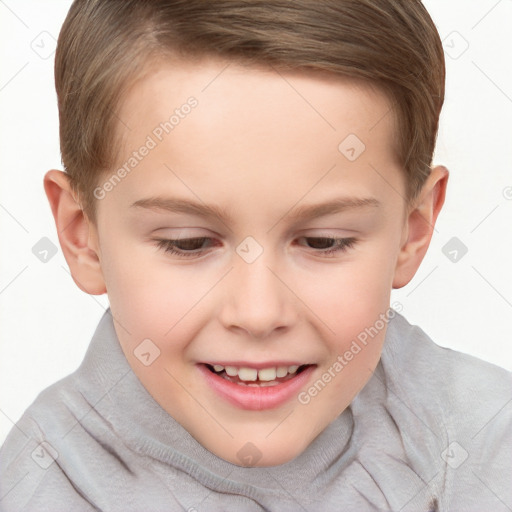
261,454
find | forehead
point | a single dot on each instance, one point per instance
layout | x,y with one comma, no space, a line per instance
254,129
232,95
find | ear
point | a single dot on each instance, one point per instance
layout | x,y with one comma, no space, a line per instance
77,236
419,226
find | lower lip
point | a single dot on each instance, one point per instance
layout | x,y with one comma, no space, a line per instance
256,398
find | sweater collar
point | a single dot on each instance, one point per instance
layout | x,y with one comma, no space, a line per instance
108,381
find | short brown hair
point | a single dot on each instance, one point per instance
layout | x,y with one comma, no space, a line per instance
105,45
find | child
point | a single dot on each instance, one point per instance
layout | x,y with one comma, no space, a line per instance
248,181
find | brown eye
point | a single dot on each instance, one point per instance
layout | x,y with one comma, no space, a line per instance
327,245
320,243
186,247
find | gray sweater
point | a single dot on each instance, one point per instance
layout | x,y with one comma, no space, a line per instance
431,430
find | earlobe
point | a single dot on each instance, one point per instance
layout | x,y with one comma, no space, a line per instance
74,230
419,226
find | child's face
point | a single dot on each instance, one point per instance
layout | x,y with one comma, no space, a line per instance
260,146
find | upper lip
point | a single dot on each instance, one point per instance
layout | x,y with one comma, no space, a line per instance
257,366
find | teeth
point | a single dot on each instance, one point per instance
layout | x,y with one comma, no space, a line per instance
247,374
231,371
281,371
266,375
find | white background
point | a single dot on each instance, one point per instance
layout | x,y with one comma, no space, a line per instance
47,322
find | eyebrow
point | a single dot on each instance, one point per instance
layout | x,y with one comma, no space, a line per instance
306,212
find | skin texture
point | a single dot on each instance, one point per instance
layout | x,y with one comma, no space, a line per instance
260,144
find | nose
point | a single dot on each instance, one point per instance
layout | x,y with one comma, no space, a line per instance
257,300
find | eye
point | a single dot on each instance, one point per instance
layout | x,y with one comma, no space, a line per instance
194,247
187,247
325,244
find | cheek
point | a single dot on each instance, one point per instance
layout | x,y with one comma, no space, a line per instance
352,293
352,304
350,300
147,296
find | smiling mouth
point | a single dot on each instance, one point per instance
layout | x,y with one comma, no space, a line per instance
257,379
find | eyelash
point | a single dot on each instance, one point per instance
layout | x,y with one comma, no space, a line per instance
168,245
